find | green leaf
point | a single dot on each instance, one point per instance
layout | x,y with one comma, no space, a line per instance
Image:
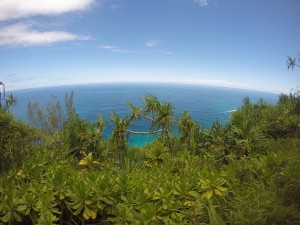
217,192
100,205
78,206
194,194
204,184
214,218
208,194
94,213
21,208
89,202
17,216
6,218
108,201
221,188
61,196
77,212
86,213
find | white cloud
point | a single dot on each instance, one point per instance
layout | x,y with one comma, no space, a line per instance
152,43
201,2
124,50
118,49
108,47
22,34
12,9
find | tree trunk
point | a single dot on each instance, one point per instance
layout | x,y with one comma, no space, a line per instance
146,117
169,143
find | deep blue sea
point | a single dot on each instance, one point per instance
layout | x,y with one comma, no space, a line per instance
206,104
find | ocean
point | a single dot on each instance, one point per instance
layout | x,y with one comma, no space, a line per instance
205,104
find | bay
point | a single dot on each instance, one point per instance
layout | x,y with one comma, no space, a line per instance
205,104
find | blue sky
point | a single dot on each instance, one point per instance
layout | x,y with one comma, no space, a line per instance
231,43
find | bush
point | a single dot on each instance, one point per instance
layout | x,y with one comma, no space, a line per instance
16,141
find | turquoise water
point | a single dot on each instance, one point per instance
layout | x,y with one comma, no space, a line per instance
205,104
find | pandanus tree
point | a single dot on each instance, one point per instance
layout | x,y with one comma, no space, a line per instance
186,126
295,93
135,112
246,133
89,135
151,105
119,136
292,62
10,102
159,114
218,135
162,116
100,124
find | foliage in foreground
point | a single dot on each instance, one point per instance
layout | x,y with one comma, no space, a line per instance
247,172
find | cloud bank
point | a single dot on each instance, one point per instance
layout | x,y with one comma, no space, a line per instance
21,34
14,9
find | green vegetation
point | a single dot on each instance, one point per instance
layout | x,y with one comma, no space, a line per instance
64,172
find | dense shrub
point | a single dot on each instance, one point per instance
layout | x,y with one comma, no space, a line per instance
247,172
16,141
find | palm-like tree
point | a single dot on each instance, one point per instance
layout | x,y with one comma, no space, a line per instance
10,102
218,134
151,104
100,124
156,152
186,126
161,115
119,132
247,134
164,119
135,112
164,116
292,62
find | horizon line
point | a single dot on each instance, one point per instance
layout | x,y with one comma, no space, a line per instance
151,82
